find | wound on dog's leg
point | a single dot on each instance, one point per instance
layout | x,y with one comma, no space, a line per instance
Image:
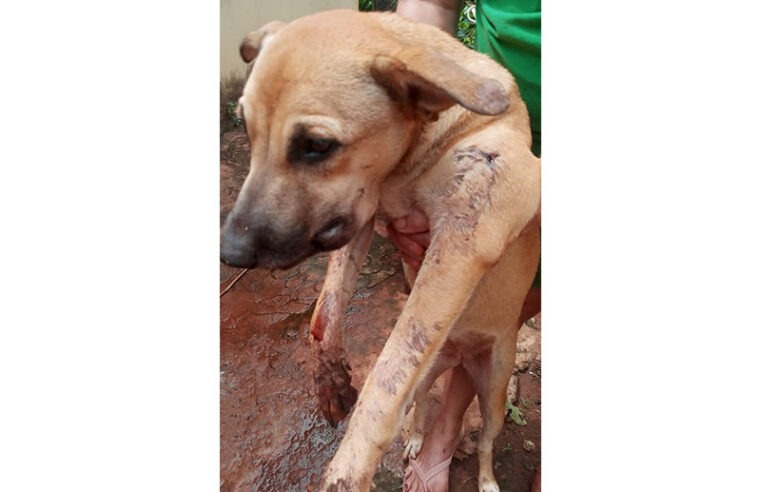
332,380
332,377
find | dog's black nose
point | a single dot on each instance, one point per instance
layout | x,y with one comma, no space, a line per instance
238,258
237,250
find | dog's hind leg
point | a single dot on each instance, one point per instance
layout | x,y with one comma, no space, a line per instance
490,372
415,439
447,359
332,380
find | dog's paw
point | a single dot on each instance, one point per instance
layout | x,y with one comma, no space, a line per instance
488,485
413,445
335,394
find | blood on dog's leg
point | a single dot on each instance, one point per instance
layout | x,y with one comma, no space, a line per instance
332,380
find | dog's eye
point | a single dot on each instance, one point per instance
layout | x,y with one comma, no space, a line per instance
317,149
311,149
319,146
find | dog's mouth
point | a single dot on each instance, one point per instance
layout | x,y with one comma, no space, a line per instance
335,234
252,247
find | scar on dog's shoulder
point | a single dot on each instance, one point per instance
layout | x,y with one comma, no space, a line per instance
469,191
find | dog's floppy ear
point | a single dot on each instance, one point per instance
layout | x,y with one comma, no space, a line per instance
428,83
253,42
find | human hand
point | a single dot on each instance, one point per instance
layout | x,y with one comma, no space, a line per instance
411,235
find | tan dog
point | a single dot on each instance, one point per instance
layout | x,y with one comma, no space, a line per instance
353,114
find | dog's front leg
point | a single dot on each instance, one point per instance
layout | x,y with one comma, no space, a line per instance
419,334
475,215
332,380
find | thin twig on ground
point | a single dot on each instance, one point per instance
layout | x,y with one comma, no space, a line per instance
230,286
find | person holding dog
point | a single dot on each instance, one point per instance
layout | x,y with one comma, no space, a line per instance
509,31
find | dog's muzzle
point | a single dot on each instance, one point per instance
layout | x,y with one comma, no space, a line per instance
247,245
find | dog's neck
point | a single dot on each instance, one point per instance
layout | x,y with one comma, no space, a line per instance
428,143
430,140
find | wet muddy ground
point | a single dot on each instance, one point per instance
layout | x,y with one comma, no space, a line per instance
272,434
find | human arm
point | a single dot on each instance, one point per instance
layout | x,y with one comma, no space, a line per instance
440,13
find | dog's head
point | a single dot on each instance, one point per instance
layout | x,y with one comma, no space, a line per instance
332,104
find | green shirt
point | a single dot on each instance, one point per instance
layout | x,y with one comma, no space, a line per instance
510,32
